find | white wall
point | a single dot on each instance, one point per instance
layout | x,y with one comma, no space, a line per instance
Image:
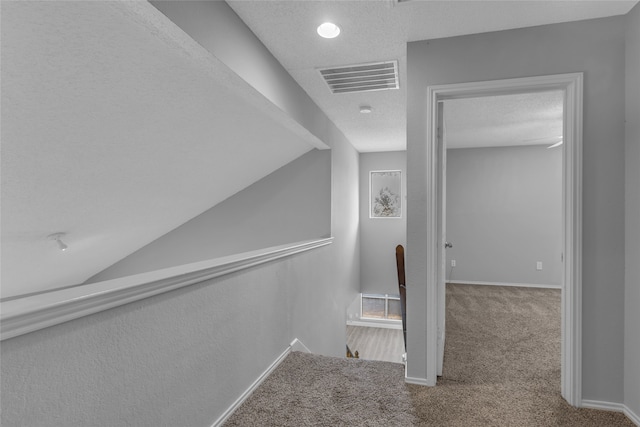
182,358
289,205
504,214
632,221
379,237
595,47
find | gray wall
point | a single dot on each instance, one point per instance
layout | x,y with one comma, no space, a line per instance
632,230
218,29
289,205
595,47
504,213
182,358
178,359
379,237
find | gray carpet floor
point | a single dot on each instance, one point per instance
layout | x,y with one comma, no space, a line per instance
502,368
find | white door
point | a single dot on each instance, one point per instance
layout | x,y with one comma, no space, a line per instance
442,238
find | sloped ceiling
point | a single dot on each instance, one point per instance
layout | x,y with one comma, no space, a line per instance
116,128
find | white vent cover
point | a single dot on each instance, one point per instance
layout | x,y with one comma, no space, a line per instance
362,78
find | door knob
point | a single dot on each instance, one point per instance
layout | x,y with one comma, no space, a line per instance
447,245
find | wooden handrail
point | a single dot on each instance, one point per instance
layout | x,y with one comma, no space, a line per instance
402,287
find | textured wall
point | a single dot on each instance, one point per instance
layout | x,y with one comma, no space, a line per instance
177,359
130,117
319,311
379,237
504,213
289,205
632,230
182,358
595,47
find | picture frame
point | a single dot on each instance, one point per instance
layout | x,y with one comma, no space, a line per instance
385,194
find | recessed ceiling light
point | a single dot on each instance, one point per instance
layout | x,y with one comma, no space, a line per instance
365,109
328,30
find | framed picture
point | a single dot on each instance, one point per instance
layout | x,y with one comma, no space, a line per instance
385,194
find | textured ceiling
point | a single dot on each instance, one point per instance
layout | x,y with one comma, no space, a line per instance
506,120
116,128
378,30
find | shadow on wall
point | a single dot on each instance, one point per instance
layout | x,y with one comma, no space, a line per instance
291,204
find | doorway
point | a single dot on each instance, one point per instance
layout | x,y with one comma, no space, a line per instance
571,86
503,208
374,328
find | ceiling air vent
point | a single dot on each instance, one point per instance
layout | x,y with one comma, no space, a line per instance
362,78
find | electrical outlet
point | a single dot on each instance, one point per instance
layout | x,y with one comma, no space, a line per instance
453,263
539,265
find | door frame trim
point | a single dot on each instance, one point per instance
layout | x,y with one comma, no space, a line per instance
572,85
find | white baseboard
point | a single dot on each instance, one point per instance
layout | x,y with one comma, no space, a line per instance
419,381
611,406
296,345
632,415
521,285
375,324
604,406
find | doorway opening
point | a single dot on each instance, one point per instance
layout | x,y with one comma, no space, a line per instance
502,223
374,328
571,87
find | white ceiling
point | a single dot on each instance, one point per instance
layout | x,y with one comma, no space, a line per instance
505,120
116,129
378,30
